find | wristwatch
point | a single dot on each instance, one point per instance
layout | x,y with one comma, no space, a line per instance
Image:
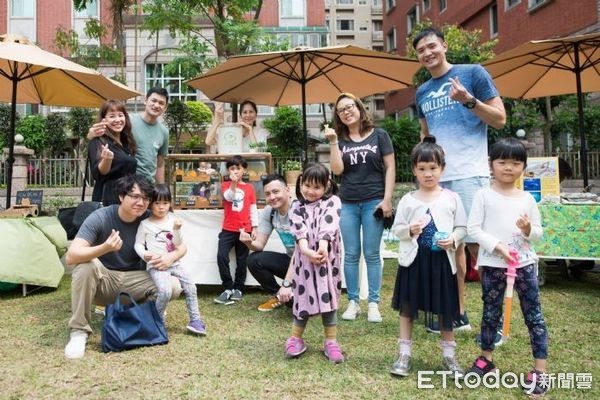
471,103
286,284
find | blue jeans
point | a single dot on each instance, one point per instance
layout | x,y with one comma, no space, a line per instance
466,189
353,216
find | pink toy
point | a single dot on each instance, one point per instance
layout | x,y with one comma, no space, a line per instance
511,272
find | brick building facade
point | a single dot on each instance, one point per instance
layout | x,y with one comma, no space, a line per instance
512,22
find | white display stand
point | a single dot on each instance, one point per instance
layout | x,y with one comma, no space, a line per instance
201,230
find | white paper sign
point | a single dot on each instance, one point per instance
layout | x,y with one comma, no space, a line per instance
229,139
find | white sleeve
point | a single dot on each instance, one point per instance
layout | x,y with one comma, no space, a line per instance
536,222
474,226
140,240
401,225
253,215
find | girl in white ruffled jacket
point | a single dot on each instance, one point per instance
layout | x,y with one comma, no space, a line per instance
430,223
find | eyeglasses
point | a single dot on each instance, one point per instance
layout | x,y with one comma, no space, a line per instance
137,197
346,108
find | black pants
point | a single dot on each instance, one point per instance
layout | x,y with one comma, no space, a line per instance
266,265
227,240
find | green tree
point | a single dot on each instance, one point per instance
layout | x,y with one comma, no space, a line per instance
88,54
464,47
5,123
79,121
566,121
177,118
33,129
56,134
404,133
200,115
285,132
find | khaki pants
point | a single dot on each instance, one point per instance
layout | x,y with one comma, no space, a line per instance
93,283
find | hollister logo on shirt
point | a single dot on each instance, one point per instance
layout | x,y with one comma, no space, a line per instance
438,100
358,154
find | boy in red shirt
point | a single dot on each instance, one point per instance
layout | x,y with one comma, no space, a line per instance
240,214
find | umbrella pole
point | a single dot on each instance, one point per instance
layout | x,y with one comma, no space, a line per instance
583,145
304,132
11,139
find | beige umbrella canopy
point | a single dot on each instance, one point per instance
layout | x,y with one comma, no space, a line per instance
567,65
305,75
31,75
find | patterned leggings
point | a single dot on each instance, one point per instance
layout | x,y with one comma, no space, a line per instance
163,288
493,283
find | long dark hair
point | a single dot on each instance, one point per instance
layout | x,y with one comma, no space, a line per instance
316,173
366,122
251,104
126,137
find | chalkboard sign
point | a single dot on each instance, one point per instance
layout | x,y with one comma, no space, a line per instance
34,196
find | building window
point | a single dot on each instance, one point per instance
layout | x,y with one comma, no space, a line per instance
377,26
303,39
379,104
510,3
494,20
390,4
391,40
443,5
156,76
292,12
536,3
362,2
345,24
22,8
412,19
90,10
22,18
344,2
426,5
378,48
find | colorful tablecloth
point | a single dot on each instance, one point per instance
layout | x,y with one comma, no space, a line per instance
570,231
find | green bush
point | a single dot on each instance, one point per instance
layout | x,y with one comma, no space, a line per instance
33,129
5,123
404,133
56,134
285,132
200,115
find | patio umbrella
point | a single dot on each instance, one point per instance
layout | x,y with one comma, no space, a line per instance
567,65
305,75
31,75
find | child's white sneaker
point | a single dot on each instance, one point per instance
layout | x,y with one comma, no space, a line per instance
76,346
373,314
352,311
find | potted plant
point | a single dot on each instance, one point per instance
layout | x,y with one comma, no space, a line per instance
292,169
258,147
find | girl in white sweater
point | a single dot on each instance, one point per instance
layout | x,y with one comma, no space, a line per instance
505,218
430,223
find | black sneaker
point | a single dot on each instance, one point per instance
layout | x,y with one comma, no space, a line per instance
462,323
482,366
459,324
498,339
536,384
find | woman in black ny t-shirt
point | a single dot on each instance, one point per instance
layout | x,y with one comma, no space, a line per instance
364,157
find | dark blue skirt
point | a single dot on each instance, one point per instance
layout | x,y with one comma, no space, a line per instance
427,285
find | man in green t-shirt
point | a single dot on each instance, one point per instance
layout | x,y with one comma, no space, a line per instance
151,136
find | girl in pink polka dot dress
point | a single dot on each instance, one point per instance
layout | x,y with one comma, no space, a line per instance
315,271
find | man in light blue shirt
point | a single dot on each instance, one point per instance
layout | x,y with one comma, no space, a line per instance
456,105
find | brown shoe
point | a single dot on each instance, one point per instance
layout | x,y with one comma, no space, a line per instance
270,304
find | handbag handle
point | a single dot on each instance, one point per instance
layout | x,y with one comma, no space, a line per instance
86,175
118,301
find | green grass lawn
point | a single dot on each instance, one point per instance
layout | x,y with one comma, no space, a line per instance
242,356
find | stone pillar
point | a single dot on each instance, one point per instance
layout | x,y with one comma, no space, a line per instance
22,155
322,154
